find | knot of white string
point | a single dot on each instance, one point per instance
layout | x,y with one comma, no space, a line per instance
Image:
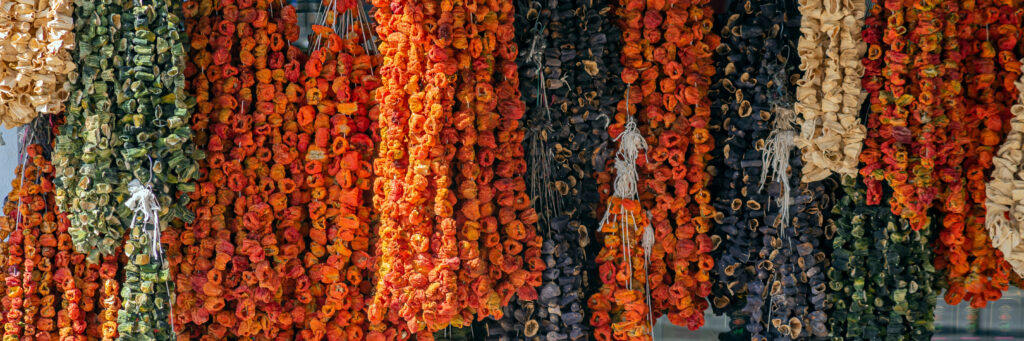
143,203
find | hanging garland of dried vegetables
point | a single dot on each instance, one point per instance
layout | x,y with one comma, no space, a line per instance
49,288
566,141
339,90
666,224
937,140
790,263
756,37
975,270
413,175
541,74
829,95
881,279
251,195
87,178
1004,213
158,157
36,46
877,259
470,59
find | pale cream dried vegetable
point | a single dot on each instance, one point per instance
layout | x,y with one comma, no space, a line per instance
35,44
829,95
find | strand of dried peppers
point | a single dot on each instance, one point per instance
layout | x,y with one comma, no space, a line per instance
829,95
415,281
339,87
239,281
44,297
869,240
975,270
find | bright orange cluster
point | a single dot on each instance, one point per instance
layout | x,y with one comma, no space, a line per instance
335,122
452,203
240,266
988,36
50,290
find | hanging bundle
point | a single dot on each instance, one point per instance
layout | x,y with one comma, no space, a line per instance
622,309
240,271
334,120
829,95
869,240
1004,218
156,162
87,175
36,40
50,289
881,278
758,38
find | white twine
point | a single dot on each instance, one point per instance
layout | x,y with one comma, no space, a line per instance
631,142
143,202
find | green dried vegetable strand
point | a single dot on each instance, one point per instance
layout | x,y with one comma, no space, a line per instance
159,153
84,155
881,284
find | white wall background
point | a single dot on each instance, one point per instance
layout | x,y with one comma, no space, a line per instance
8,161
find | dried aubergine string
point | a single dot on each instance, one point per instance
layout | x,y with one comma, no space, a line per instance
829,95
975,271
790,264
1004,212
87,143
563,119
339,86
751,41
541,69
160,158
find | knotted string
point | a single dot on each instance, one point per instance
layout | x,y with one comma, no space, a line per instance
631,143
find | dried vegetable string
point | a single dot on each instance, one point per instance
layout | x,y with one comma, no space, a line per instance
829,95
36,40
335,119
1004,213
86,146
673,110
878,261
540,68
938,131
870,241
417,72
241,271
975,270
757,37
49,290
158,157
